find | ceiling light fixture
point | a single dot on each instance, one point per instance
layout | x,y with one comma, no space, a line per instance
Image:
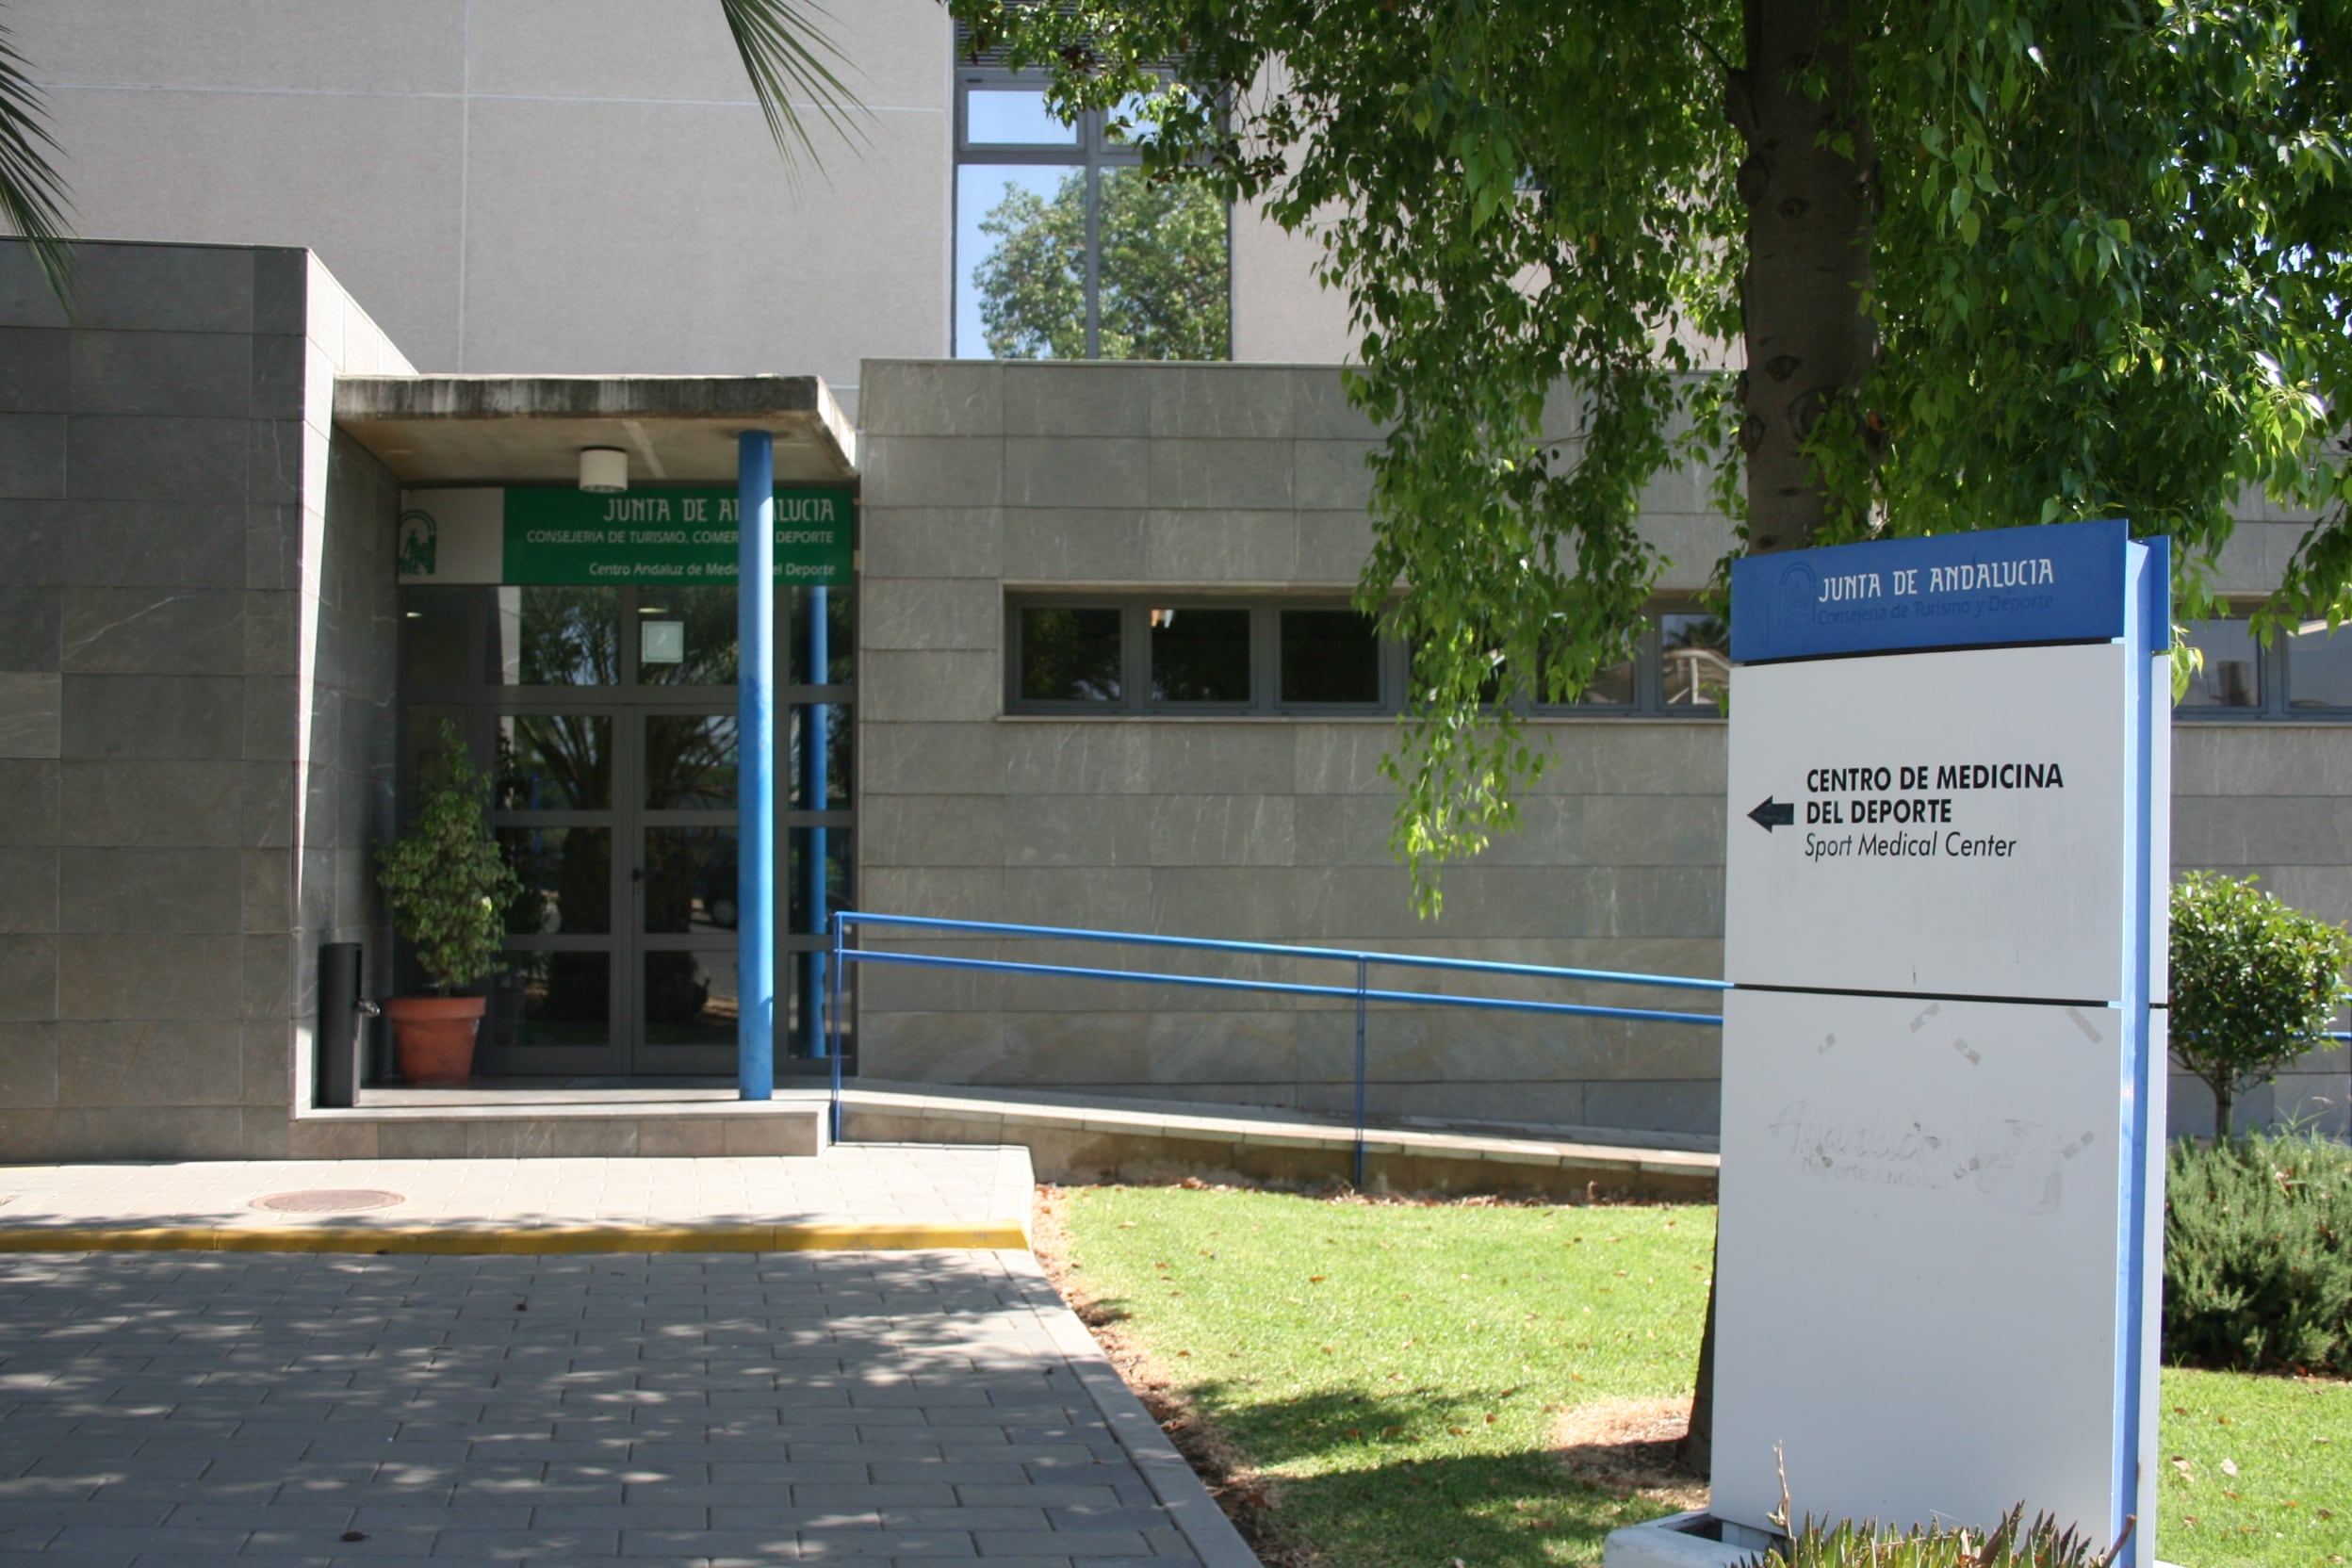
603,471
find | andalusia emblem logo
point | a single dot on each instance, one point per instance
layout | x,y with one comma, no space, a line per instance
420,544
1798,589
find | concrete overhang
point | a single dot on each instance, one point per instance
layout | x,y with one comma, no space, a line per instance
528,429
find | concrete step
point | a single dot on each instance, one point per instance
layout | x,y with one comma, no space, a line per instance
482,1123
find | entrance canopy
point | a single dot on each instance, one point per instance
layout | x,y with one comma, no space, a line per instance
524,429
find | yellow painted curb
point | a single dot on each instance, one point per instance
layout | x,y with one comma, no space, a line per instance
991,1236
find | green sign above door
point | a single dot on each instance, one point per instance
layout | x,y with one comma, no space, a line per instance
670,535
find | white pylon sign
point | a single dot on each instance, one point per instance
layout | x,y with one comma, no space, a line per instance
1941,1189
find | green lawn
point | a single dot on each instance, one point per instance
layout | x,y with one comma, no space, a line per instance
1393,1373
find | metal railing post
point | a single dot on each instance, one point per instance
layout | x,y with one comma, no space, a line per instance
833,1014
1363,972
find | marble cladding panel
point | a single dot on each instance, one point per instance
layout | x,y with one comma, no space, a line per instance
178,715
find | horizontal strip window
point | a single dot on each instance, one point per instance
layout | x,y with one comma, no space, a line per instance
2305,674
1190,655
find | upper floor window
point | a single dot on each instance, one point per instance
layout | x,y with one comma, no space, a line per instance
1065,249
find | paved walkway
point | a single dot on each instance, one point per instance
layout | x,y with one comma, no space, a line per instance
693,1407
872,1196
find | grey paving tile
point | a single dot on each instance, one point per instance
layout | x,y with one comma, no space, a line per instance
876,1409
1073,1544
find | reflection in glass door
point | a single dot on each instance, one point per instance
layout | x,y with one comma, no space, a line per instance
606,717
686,876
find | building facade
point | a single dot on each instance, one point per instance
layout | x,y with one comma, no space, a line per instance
1097,666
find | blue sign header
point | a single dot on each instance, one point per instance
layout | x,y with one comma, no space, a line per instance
2062,582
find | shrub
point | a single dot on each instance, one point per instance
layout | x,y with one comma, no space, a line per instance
2254,983
2011,1543
448,884
2257,1254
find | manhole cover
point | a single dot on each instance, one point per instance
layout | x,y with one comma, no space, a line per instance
329,1201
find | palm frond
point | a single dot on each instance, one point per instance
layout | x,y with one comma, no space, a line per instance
784,54
32,196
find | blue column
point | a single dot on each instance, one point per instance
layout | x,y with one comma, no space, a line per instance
755,774
815,743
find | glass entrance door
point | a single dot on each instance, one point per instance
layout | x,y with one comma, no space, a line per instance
607,719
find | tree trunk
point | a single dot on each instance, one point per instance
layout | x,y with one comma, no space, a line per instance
2224,1107
1812,212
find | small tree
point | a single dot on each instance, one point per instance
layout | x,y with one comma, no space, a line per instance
447,884
2254,983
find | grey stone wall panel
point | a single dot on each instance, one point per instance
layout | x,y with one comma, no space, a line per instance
936,542
207,374
149,1062
150,889
32,456
2219,833
1319,409
1052,757
1210,757
29,630
186,717
1064,401
2235,761
1072,547
178,631
1332,548
1109,472
933,830
33,539
151,1132
1197,401
1215,547
28,802
32,719
933,684
920,613
1075,830
155,458
179,544
936,471
927,397
1330,476
137,975
164,288
28,888
1220,830
28,979
927,758
34,369
28,1071
1225,474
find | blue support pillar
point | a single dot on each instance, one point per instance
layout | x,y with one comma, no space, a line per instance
755,772
815,743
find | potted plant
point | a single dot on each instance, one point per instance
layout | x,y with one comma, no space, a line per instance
448,888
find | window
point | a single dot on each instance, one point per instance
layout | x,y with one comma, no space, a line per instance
1175,654
2232,676
2306,672
1331,658
1065,250
2319,668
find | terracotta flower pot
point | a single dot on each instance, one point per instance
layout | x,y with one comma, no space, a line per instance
433,1037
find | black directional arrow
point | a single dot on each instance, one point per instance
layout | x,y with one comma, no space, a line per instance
1774,814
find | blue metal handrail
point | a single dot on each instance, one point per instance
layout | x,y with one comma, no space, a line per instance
1361,992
